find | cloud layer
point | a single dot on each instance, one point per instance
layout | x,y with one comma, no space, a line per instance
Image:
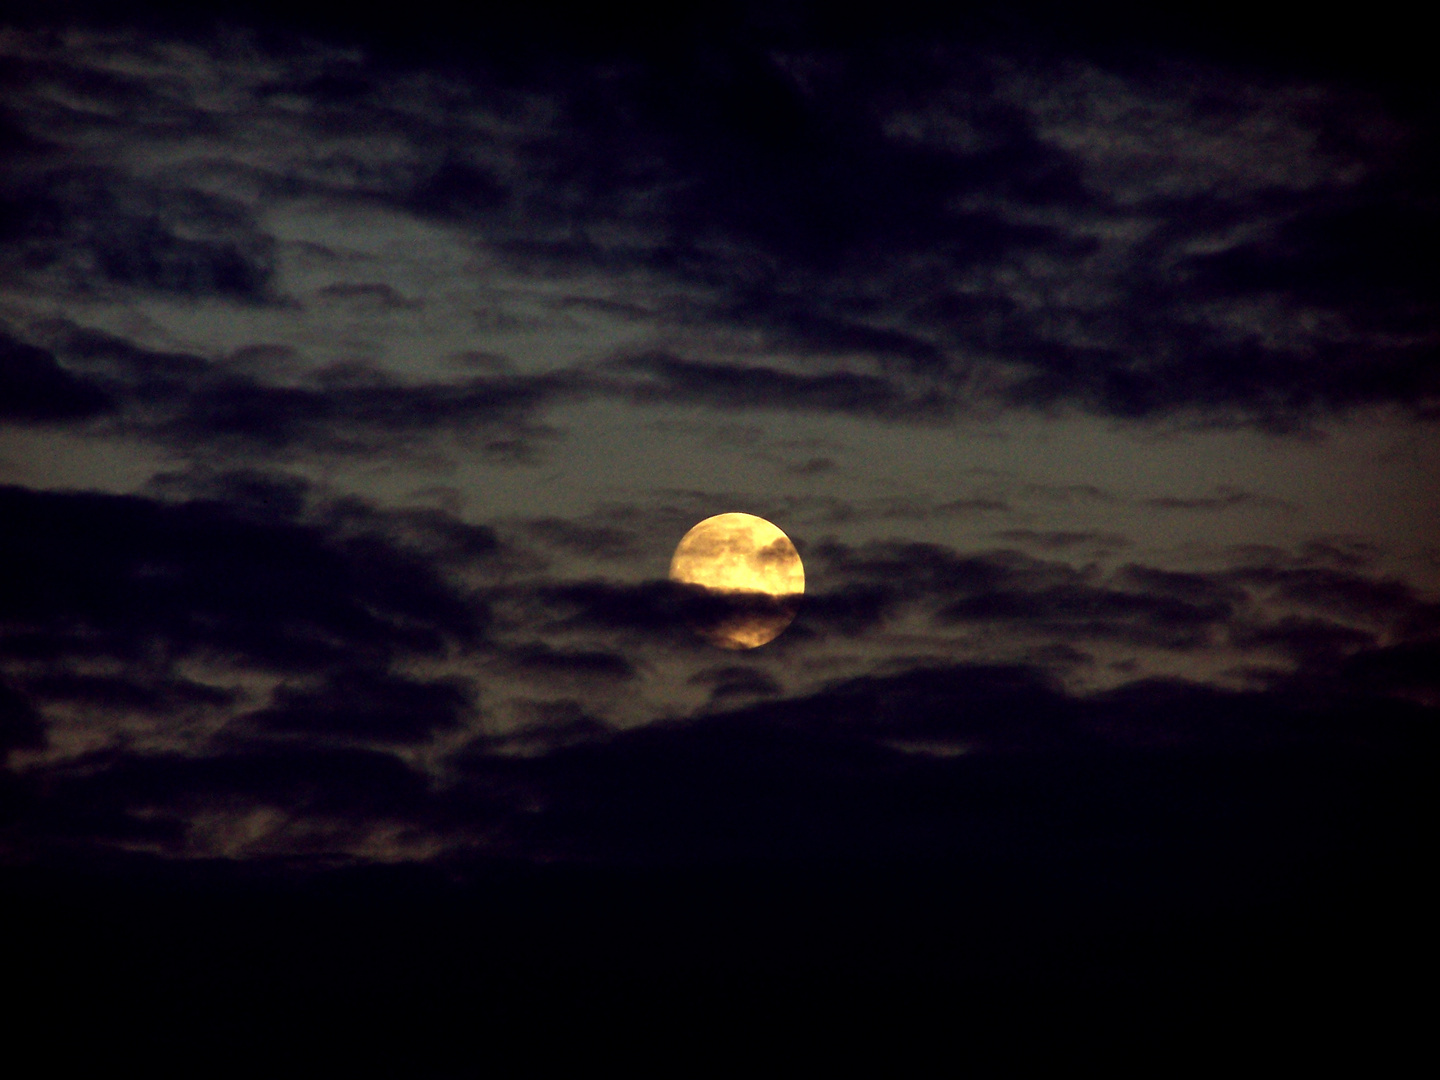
261,678
902,231
347,383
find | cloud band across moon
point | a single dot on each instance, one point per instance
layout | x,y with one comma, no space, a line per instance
743,579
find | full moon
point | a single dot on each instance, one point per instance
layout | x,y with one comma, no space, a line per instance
743,577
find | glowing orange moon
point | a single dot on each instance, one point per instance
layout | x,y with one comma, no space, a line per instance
744,579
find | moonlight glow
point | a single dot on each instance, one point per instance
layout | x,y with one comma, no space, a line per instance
749,573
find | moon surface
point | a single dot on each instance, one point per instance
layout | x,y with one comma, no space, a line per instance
742,577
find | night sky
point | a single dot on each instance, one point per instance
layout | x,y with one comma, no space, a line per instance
359,375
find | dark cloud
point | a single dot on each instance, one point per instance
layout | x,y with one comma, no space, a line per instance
547,726
735,681
310,801
1343,592
36,389
670,794
977,707
89,228
20,723
369,295
602,541
662,611
934,763
541,659
1366,259
1308,640
367,705
850,609
813,467
356,417
651,607
801,328
1309,609
121,694
459,190
987,226
245,493
1093,613
1194,587
1010,709
1408,670
901,765
1222,499
899,508
1059,230
1007,588
128,577
1064,539
431,536
145,377
730,386
201,404
874,763
1306,612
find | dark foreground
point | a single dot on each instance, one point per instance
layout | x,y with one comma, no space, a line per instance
1283,902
